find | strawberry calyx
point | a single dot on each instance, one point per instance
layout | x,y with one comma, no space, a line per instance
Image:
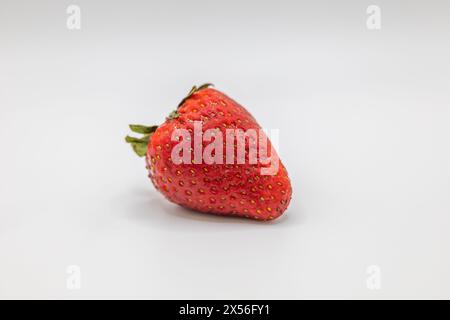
194,90
174,114
140,145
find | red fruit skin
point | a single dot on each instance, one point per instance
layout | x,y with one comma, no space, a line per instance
222,189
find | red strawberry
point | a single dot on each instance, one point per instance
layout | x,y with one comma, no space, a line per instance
218,188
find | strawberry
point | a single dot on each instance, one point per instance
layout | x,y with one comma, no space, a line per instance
222,187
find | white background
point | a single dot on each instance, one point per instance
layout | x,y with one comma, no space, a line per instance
364,119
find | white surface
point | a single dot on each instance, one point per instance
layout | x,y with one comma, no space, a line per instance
365,135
